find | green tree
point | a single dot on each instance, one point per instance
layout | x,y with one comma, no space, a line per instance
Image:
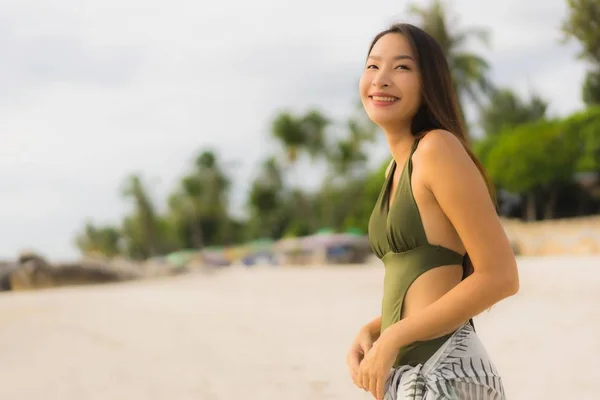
103,240
371,186
299,207
301,133
533,160
265,201
304,133
141,227
591,87
185,207
538,160
199,205
585,130
211,174
583,24
470,71
505,110
347,155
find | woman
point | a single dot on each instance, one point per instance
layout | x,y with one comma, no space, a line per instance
434,208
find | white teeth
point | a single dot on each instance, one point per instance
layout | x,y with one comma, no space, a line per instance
390,99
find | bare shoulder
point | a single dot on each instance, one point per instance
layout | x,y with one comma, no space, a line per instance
441,143
440,153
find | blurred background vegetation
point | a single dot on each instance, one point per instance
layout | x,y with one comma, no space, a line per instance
544,166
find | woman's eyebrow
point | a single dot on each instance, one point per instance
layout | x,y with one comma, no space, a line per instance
400,57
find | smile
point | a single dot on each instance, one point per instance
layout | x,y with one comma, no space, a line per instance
383,100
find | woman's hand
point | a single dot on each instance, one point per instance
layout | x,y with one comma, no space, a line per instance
360,347
376,366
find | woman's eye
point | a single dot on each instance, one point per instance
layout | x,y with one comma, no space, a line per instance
371,66
403,67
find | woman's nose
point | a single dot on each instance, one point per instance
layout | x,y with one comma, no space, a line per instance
381,80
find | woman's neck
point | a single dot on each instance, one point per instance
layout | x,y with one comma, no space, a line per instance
400,142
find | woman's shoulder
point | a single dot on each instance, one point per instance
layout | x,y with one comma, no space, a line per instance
440,142
441,154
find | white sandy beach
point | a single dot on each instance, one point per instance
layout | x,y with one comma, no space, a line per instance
276,333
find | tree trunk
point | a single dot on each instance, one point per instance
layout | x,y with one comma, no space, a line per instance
550,204
195,225
149,233
197,235
328,217
530,212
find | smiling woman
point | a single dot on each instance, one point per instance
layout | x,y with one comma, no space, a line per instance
435,228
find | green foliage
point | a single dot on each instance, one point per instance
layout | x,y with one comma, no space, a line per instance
533,156
483,147
585,128
102,240
583,24
369,190
304,132
141,228
534,160
505,110
523,152
591,87
470,71
268,201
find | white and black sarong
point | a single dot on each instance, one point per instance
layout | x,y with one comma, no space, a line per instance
460,370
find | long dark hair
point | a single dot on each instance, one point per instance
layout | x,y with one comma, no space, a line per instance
439,107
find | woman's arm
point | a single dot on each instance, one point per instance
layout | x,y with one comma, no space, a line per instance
374,327
460,190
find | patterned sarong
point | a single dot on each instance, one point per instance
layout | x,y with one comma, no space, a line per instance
460,370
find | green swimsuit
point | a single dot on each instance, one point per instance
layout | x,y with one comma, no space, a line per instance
398,238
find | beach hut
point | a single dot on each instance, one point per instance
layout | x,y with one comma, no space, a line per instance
259,251
324,247
290,251
216,256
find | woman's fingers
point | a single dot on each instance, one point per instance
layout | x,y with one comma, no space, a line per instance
380,389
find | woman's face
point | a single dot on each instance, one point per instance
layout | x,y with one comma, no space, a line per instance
390,86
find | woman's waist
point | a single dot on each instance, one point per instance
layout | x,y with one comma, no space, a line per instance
419,352
405,297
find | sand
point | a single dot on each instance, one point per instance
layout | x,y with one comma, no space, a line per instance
276,333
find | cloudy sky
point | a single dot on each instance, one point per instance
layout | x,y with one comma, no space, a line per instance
92,90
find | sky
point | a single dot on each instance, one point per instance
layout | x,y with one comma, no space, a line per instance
94,90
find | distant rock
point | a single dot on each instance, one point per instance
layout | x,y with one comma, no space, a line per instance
32,271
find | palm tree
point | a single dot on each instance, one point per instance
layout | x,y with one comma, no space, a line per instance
301,134
188,202
145,215
348,153
200,197
271,174
265,199
304,133
210,174
506,109
469,70
104,240
313,124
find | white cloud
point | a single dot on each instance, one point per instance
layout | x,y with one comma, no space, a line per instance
92,91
